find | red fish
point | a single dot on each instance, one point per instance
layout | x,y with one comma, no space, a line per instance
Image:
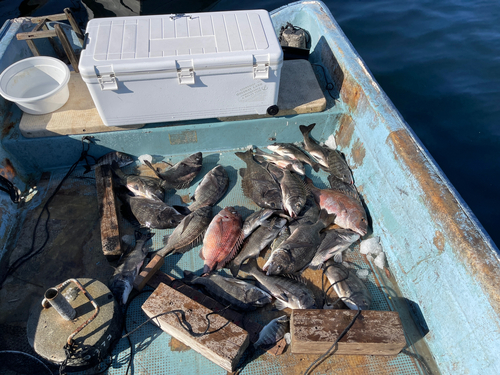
350,213
222,239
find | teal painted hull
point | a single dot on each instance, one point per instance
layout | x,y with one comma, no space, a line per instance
439,255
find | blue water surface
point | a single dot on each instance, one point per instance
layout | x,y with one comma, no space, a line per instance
439,62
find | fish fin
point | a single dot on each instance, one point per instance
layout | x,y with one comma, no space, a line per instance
250,266
193,244
206,269
296,277
201,254
315,266
280,304
183,210
242,172
188,276
182,185
244,155
315,166
153,169
305,130
337,258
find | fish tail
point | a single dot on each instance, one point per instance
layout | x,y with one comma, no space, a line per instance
244,155
250,266
326,218
147,162
305,130
234,268
207,269
189,276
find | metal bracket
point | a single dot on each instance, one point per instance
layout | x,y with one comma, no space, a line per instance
261,71
185,76
107,82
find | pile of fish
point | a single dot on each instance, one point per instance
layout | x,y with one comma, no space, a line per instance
304,226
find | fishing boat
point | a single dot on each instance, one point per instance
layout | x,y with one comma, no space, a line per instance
442,270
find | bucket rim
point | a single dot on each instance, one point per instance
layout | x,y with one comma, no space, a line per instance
49,61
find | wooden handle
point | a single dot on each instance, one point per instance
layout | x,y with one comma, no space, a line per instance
148,272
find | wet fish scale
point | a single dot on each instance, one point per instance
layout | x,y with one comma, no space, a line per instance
349,212
258,184
335,242
237,293
123,278
293,192
257,242
222,239
142,186
296,252
314,149
293,152
338,167
211,188
181,174
188,233
350,289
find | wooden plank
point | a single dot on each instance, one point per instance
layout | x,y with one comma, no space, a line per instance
54,17
36,35
239,319
373,333
108,213
74,25
67,47
223,347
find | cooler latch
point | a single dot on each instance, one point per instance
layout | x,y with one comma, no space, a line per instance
106,78
185,76
107,82
261,71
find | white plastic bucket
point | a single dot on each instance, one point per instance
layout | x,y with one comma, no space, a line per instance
38,85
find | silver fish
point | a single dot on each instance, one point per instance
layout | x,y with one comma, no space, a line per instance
334,243
350,289
239,294
319,153
258,184
255,220
189,233
257,242
289,291
150,213
272,331
284,162
338,167
211,188
293,193
121,158
293,152
121,282
295,254
181,174
140,186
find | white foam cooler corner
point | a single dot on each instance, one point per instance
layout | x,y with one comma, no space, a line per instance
180,67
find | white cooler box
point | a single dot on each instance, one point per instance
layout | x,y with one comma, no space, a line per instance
181,67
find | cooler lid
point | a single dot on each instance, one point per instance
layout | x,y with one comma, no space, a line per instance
167,42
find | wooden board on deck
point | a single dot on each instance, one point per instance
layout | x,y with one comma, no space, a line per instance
237,318
373,333
223,347
108,213
78,116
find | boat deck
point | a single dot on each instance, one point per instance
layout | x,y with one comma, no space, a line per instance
73,250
